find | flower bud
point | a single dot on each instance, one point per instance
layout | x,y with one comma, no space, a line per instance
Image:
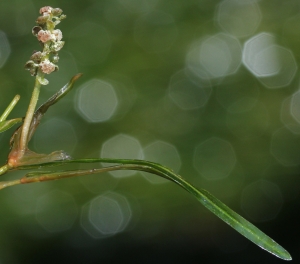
29,64
47,67
36,56
56,11
31,67
58,34
46,10
57,46
36,30
55,58
62,17
45,35
41,20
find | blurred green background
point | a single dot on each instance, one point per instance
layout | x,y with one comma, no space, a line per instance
208,88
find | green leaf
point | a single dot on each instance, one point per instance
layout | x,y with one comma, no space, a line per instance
230,217
57,96
9,108
39,113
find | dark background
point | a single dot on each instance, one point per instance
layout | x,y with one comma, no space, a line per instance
208,88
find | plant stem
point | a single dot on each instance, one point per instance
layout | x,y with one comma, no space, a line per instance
30,113
4,169
9,183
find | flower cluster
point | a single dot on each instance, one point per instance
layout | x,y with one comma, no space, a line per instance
50,39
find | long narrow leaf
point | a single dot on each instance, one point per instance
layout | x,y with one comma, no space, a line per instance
39,113
9,108
230,217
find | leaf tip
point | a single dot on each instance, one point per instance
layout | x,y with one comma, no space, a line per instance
76,77
280,252
286,256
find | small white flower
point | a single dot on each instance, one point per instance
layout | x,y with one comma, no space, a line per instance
45,35
58,34
57,46
47,67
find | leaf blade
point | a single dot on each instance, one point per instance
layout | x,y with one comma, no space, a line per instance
237,222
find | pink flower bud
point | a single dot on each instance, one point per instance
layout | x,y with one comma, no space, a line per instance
47,67
45,35
46,10
36,56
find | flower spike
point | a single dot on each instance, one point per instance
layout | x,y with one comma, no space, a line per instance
44,62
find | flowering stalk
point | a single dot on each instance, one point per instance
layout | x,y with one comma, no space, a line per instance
28,118
40,63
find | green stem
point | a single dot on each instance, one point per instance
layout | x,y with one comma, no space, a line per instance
4,169
30,113
9,183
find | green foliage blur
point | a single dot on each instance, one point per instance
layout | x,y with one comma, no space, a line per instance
174,82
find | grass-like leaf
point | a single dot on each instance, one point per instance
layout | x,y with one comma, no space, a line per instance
230,217
7,124
39,113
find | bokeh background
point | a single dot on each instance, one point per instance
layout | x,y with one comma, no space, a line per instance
208,88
